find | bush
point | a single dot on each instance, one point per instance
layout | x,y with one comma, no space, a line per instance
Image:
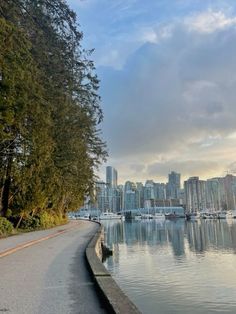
42,220
5,227
48,220
30,223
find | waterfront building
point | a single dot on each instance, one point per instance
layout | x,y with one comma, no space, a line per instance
100,191
130,196
130,200
139,195
111,177
120,198
213,200
149,194
159,191
195,193
173,185
229,187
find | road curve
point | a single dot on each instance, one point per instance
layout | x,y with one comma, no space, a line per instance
49,277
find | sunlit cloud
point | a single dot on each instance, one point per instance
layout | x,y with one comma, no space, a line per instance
168,77
209,22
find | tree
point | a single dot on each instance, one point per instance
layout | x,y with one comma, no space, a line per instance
49,110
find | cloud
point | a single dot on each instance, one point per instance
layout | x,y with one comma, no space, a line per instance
209,21
187,168
174,100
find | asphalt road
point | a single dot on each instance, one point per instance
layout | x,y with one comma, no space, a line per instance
49,277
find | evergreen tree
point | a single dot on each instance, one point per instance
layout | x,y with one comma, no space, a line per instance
49,109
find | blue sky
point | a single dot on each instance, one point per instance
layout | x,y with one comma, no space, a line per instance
168,78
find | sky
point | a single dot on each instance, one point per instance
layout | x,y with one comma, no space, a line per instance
167,71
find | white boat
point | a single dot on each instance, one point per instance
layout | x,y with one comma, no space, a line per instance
221,215
208,215
86,216
110,215
193,216
146,216
138,217
159,216
231,214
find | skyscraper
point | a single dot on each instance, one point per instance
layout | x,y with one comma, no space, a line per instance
111,177
195,193
112,192
173,185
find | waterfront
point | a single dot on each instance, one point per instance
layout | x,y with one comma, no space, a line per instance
175,266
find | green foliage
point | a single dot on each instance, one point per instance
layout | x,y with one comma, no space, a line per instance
30,223
42,221
6,227
48,220
50,143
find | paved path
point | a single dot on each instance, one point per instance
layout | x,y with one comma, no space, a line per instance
49,277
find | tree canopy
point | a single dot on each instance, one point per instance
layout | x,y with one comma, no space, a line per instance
50,142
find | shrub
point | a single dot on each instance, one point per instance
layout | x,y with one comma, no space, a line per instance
48,220
30,223
5,227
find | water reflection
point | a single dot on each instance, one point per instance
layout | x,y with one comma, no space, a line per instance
183,266
201,236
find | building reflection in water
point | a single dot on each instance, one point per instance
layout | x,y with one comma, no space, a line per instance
199,236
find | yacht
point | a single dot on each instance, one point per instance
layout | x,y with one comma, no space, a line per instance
221,215
146,216
192,216
138,217
110,215
159,216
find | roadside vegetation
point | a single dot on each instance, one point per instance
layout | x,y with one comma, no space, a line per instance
50,142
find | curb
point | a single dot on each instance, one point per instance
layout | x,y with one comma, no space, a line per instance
113,298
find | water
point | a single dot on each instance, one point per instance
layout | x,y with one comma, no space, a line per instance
175,266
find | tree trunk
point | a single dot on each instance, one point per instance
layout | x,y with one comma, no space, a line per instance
6,189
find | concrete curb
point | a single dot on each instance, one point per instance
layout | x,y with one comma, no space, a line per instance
114,299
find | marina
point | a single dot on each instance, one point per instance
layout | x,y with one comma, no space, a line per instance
175,266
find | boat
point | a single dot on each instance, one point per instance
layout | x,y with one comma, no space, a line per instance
231,214
192,216
208,215
159,216
146,216
221,215
86,216
110,215
138,217
171,216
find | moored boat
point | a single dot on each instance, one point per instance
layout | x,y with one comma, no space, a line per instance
146,216
171,216
110,215
159,216
221,215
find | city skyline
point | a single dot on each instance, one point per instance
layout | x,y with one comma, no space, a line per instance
103,177
213,195
167,72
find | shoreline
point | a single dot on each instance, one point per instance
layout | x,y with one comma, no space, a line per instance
113,298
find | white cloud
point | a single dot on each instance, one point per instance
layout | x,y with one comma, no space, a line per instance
173,105
209,21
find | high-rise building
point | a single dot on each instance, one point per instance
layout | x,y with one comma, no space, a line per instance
111,177
130,195
195,193
229,187
140,195
213,195
101,199
173,185
107,194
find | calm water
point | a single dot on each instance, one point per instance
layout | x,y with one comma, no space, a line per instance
175,266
